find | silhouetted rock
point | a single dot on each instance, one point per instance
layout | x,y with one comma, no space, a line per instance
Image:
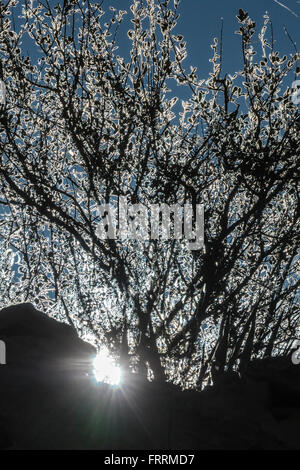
6,440
32,337
44,379
51,402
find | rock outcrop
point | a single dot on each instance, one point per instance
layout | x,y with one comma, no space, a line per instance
48,399
32,337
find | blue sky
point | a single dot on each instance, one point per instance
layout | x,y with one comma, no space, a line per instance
200,22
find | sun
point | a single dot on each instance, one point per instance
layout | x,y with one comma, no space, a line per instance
105,370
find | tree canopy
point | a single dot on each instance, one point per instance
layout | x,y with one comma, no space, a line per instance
82,125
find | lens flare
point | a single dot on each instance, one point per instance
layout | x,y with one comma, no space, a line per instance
105,370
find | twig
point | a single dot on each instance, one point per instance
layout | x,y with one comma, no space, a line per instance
287,8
